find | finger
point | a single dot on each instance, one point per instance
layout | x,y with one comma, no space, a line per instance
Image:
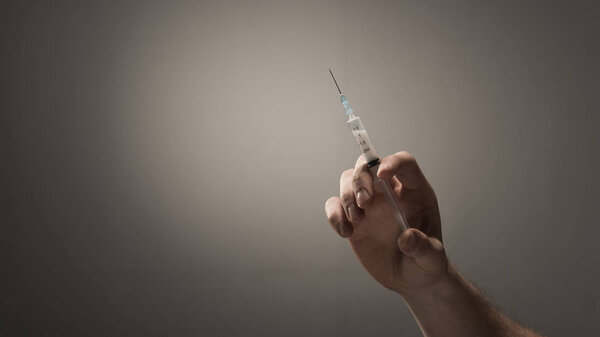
362,182
353,212
404,166
337,218
394,182
428,252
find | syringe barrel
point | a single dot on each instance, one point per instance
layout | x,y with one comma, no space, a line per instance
362,139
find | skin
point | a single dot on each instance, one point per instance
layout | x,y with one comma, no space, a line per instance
412,263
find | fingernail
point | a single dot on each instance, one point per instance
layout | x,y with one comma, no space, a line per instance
343,229
362,197
352,212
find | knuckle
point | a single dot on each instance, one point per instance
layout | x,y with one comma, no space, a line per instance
405,157
361,167
347,197
331,207
437,245
360,182
345,174
330,203
357,181
333,219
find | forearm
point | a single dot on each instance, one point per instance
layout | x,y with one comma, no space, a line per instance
453,307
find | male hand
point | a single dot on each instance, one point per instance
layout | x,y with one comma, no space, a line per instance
401,261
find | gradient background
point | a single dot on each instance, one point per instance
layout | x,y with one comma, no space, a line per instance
164,164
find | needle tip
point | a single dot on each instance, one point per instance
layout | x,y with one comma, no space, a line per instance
334,81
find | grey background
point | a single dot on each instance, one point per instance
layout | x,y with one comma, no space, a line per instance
164,164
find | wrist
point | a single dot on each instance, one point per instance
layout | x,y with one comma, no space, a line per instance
442,287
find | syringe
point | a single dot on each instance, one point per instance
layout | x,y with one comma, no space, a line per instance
371,157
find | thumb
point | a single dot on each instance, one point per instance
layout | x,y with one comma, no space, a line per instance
428,252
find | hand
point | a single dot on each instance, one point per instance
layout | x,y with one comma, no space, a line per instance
401,261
